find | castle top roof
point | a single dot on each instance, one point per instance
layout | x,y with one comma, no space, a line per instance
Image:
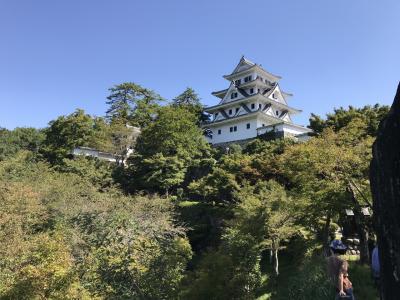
245,65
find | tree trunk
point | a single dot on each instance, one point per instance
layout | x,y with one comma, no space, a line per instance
385,187
325,234
361,228
276,262
363,235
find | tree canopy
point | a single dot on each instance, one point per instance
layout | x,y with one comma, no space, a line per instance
178,219
132,104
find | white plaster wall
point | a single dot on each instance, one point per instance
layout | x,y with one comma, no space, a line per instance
89,152
227,97
241,133
261,122
233,108
269,129
294,130
287,118
303,138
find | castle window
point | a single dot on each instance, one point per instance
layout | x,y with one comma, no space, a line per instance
219,131
274,95
230,129
237,109
234,95
230,111
251,91
248,125
253,106
263,125
258,90
277,112
247,78
234,128
259,105
237,82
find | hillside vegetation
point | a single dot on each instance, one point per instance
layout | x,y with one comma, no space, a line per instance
181,220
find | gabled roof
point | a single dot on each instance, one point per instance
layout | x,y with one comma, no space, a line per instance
220,94
243,64
276,87
280,105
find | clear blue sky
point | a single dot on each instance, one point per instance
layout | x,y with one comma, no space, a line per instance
56,56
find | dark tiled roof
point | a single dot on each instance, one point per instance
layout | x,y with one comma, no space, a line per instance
246,108
266,91
224,113
268,105
283,113
243,92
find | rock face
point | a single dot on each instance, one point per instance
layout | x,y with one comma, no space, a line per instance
385,187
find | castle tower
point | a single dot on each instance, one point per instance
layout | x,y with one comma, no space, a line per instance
252,105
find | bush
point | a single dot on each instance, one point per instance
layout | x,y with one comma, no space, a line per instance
360,276
311,282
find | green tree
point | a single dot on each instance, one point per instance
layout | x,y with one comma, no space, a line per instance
191,101
218,186
172,137
77,129
164,172
139,253
323,168
123,138
97,172
63,239
132,104
173,132
341,117
12,141
268,214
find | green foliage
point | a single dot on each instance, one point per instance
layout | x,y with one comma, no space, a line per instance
68,232
264,159
145,257
191,102
217,187
97,172
360,276
63,239
341,118
12,141
268,215
322,168
173,132
235,148
211,280
204,222
122,138
132,104
166,149
163,172
77,129
311,281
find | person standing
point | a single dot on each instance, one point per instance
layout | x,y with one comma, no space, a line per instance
375,266
345,286
338,273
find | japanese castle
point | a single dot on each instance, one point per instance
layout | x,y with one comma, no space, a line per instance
252,105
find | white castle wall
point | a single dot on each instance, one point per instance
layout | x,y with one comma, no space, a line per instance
241,133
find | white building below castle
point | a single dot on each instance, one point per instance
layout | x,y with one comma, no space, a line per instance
252,105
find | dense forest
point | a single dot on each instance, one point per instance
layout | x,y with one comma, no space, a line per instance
181,219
